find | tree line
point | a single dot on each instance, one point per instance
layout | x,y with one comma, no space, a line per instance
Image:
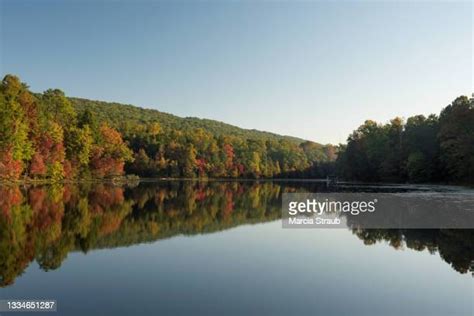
48,136
437,148
198,153
44,137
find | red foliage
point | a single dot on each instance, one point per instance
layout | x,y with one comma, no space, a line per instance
69,169
46,144
37,167
50,150
201,165
47,210
67,194
229,152
201,195
229,204
58,154
108,158
10,196
105,166
37,197
10,169
103,198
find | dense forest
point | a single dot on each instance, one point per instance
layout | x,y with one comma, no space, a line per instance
422,149
48,136
125,116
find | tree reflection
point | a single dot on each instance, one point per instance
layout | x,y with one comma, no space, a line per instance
46,223
455,246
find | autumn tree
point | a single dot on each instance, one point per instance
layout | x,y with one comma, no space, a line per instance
15,146
110,154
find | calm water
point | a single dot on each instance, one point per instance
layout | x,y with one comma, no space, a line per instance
168,248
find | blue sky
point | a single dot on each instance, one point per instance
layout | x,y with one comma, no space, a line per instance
315,70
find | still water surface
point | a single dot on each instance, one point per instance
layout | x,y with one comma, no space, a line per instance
213,248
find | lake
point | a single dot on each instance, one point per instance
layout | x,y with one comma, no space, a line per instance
218,248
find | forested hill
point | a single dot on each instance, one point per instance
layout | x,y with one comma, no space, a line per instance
50,137
118,114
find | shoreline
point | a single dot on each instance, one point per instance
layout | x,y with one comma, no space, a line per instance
134,180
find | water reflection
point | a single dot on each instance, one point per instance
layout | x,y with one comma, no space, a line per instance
45,223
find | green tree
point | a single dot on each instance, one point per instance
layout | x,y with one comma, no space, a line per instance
13,123
456,138
58,108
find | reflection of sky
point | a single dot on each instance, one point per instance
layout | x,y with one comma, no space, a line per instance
254,269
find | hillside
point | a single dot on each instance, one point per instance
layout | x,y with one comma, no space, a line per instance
117,113
51,137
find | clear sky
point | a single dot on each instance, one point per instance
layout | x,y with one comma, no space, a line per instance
315,70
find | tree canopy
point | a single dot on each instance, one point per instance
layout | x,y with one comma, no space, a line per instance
424,149
49,136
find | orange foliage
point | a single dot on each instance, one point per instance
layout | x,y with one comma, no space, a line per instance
36,199
105,166
10,196
110,222
229,152
103,198
51,151
48,211
10,169
229,204
69,170
111,136
37,167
